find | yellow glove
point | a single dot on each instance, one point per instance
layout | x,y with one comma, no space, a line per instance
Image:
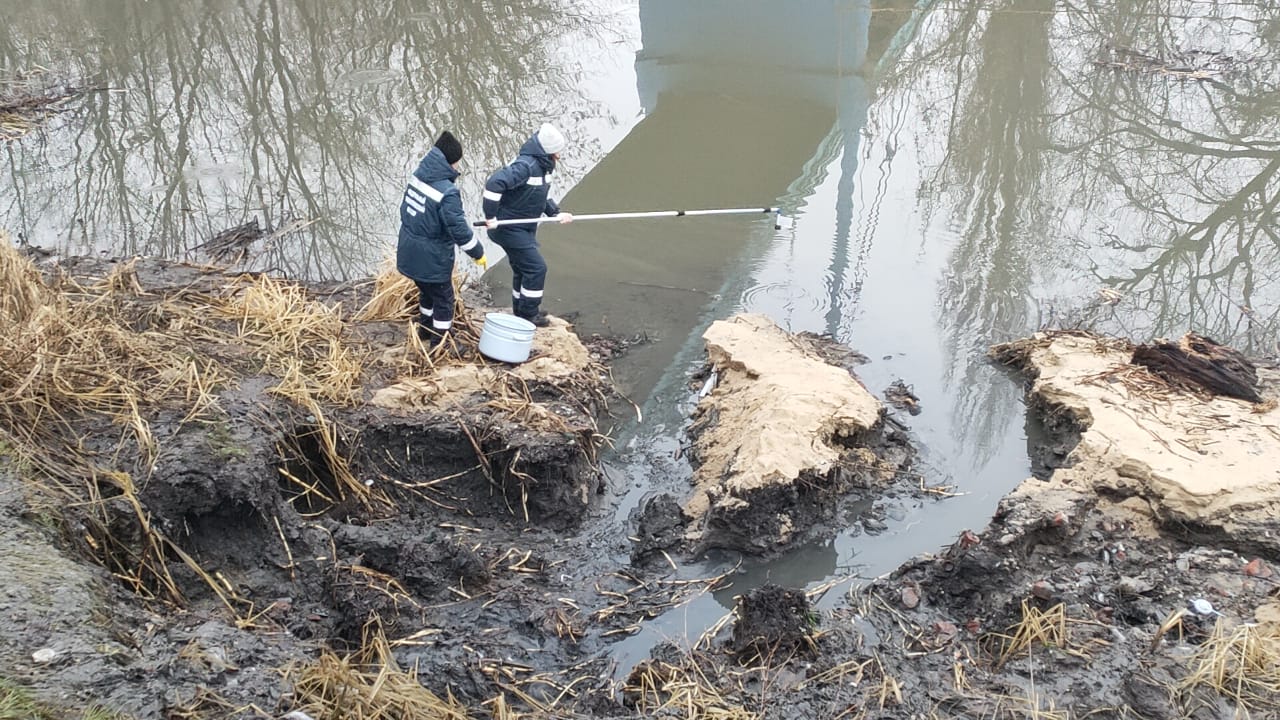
483,262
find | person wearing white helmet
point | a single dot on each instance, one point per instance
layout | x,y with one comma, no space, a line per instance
523,190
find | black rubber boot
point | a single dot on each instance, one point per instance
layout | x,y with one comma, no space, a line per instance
539,320
428,334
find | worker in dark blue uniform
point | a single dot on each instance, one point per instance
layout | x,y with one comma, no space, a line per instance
431,226
523,190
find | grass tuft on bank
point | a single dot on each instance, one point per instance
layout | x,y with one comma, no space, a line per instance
1241,662
368,684
17,703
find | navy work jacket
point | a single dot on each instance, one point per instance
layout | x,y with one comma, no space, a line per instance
432,223
521,190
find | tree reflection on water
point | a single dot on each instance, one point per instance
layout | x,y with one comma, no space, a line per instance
1131,197
1189,240
281,109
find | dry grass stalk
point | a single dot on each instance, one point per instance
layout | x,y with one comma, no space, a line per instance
140,563
682,691
890,690
368,685
535,709
1241,662
1031,706
395,297
848,673
67,357
1172,622
206,704
123,279
380,582
335,463
1036,628
279,318
14,126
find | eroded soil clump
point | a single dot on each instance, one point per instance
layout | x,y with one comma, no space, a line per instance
773,624
786,440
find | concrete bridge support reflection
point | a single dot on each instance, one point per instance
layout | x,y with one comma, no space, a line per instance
746,103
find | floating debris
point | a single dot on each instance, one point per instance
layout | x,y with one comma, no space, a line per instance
901,396
29,99
1184,65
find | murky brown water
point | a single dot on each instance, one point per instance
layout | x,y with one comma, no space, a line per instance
955,173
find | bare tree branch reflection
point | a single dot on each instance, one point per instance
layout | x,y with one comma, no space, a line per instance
990,60
1196,164
276,108
1063,172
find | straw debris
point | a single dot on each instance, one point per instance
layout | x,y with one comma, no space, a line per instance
394,296
297,339
368,684
30,98
682,690
70,356
1241,662
1036,628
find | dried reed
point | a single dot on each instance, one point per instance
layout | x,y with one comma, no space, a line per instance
1241,662
368,685
395,297
660,689
1037,628
70,356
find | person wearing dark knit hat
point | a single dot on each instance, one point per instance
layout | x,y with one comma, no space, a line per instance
451,148
523,190
432,224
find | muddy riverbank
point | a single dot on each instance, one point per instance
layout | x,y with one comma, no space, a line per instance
234,495
235,472
243,485
1134,577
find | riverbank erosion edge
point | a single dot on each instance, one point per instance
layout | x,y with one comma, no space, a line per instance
1133,577
786,444
263,472
291,505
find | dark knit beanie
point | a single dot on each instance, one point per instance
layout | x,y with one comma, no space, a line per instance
450,146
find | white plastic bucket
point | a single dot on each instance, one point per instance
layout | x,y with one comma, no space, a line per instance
506,338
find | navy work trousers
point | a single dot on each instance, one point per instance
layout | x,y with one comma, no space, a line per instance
528,278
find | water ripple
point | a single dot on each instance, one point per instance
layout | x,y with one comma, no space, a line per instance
782,296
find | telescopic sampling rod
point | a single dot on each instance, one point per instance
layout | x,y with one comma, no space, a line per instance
777,213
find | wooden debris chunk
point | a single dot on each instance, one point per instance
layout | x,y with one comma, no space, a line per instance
1199,363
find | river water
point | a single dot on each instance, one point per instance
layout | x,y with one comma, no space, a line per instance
953,173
